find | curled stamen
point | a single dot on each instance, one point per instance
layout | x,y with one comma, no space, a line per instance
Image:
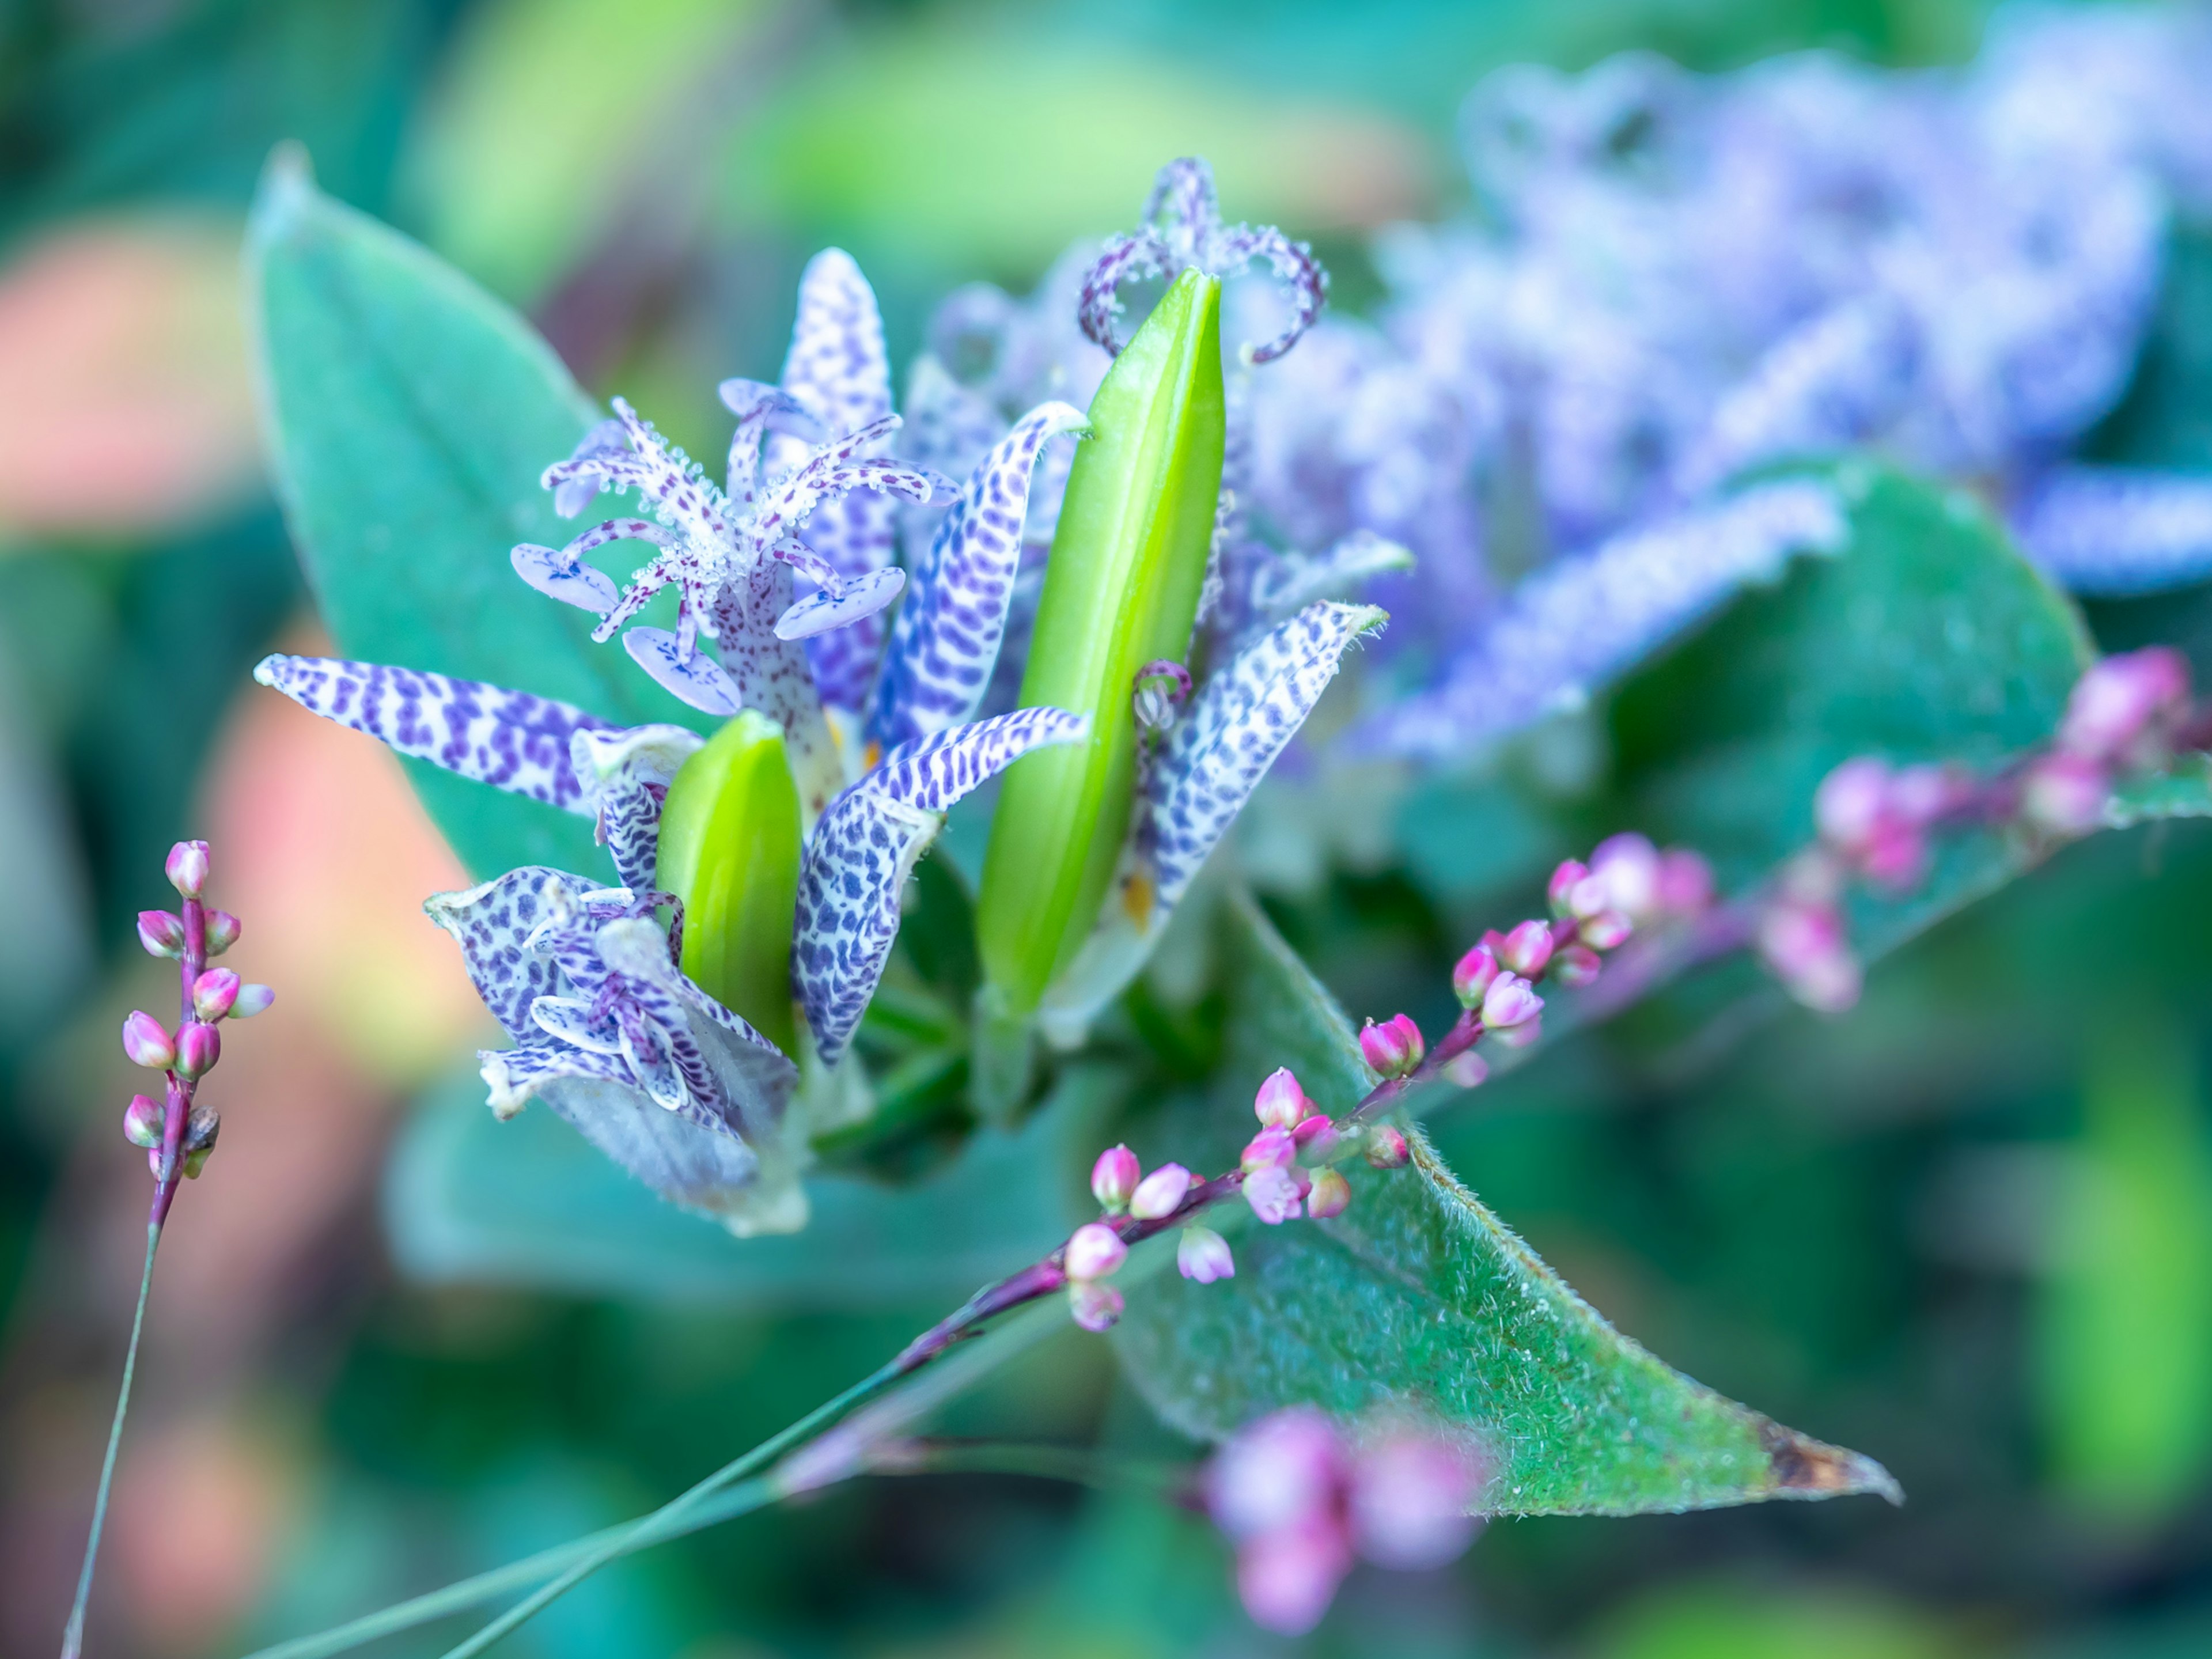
1181,228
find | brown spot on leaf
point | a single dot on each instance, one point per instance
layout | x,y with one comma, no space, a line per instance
1805,1468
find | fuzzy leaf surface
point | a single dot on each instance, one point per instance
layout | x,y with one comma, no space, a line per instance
1420,1298
409,415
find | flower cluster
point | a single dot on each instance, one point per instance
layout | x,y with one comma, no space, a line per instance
178,1132
2126,716
1671,278
1302,1496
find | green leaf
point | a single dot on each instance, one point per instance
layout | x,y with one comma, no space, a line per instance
2183,790
408,415
1928,638
468,1199
1418,1297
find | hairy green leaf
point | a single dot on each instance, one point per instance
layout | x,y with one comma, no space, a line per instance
1418,1298
408,415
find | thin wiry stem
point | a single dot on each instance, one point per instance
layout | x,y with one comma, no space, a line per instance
73,1632
676,1508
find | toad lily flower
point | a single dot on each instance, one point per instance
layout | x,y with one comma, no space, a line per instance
613,1025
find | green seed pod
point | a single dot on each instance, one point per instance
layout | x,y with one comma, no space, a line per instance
1121,590
729,849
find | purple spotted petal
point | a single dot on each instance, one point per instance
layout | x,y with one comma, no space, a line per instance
666,1081
576,494
2114,532
861,854
697,679
508,739
864,596
626,776
1240,721
1293,263
565,579
948,635
1578,623
1125,260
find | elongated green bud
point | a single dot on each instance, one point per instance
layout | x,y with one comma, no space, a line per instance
1121,590
729,849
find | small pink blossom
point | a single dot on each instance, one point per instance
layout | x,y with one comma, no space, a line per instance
1559,892
1411,1494
1160,1192
1096,1305
141,1122
215,993
1392,1048
1608,930
198,1047
1576,964
1314,1137
1387,1148
1275,1195
252,1000
1511,1001
1330,1195
186,867
1280,1102
1094,1251
1468,1070
1473,973
1274,1471
1528,949
2064,794
162,933
146,1042
1271,1149
2118,709
221,931
1113,1177
1802,941
1202,1256
1288,1579
1625,870
1686,883
1849,806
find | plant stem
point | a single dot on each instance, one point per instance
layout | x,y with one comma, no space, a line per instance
625,1536
648,1530
73,1632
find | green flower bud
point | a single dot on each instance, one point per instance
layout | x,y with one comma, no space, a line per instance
1121,590
729,849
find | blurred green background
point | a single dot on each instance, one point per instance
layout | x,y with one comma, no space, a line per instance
1968,1230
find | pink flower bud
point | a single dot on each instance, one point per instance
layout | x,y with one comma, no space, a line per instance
1160,1192
1275,1471
1392,1048
1387,1148
1851,803
1472,976
198,1047
1271,1149
1511,1001
1528,949
1286,1579
1096,1306
2121,701
1608,930
1314,1137
1918,795
2064,794
1576,964
1274,1193
162,933
1094,1250
146,1042
1468,1070
1521,1036
1411,1493
1802,941
1895,856
1686,883
187,867
252,1000
1330,1195
1564,879
215,993
1113,1177
221,931
141,1122
1202,1255
1627,869
1280,1102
